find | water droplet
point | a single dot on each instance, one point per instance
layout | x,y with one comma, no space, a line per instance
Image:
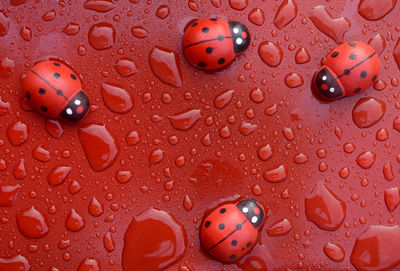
95,207
247,128
99,5
58,175
163,11
116,98
7,66
132,138
382,134
17,133
126,67
300,158
32,224
238,4
324,208
280,228
108,242
139,32
256,16
349,147
165,65
378,43
392,198
265,152
64,244
72,29
89,265
335,28
335,252
55,128
102,36
74,187
225,132
17,263
41,154
294,80
151,254
123,176
276,175
4,24
368,111
156,156
388,171
20,170
257,95
187,203
271,53
377,248
302,56
223,99
26,33
4,106
186,120
100,147
9,194
49,16
366,159
373,10
75,222
17,2
288,133
286,13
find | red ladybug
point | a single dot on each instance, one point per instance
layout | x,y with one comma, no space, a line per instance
231,230
349,69
55,91
213,43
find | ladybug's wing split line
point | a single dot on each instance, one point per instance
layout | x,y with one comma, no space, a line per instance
50,85
203,41
226,237
355,66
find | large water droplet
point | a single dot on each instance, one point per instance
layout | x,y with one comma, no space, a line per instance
72,29
102,36
126,67
17,263
55,128
378,43
368,111
186,120
223,99
286,13
335,252
271,53
75,222
58,175
302,56
4,24
276,175
165,65
99,5
32,224
280,228
17,133
375,10
95,207
89,264
108,242
366,159
116,98
256,16
238,4
9,194
7,66
392,198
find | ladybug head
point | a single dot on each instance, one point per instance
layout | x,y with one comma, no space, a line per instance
328,85
77,107
253,211
240,36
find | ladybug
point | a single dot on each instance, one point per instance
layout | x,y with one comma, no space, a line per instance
55,91
231,230
213,43
349,69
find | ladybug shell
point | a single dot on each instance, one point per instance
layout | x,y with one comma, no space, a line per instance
55,91
211,43
227,233
351,68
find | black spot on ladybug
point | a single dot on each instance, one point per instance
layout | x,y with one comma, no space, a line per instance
221,38
221,226
232,257
209,50
243,249
205,29
353,56
223,210
239,226
346,72
43,108
357,90
42,91
194,24
249,244
335,54
214,19
73,76
56,75
234,243
363,74
221,61
207,224
352,43
201,64
374,78
57,64
59,92
28,95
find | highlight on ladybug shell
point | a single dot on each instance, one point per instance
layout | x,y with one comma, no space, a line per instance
55,91
349,69
231,230
213,43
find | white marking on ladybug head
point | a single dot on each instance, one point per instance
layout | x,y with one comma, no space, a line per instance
235,30
69,111
332,90
77,102
245,209
254,219
324,77
239,41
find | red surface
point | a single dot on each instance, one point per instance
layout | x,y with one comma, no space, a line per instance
182,147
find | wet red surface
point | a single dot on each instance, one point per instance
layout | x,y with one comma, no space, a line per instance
163,134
